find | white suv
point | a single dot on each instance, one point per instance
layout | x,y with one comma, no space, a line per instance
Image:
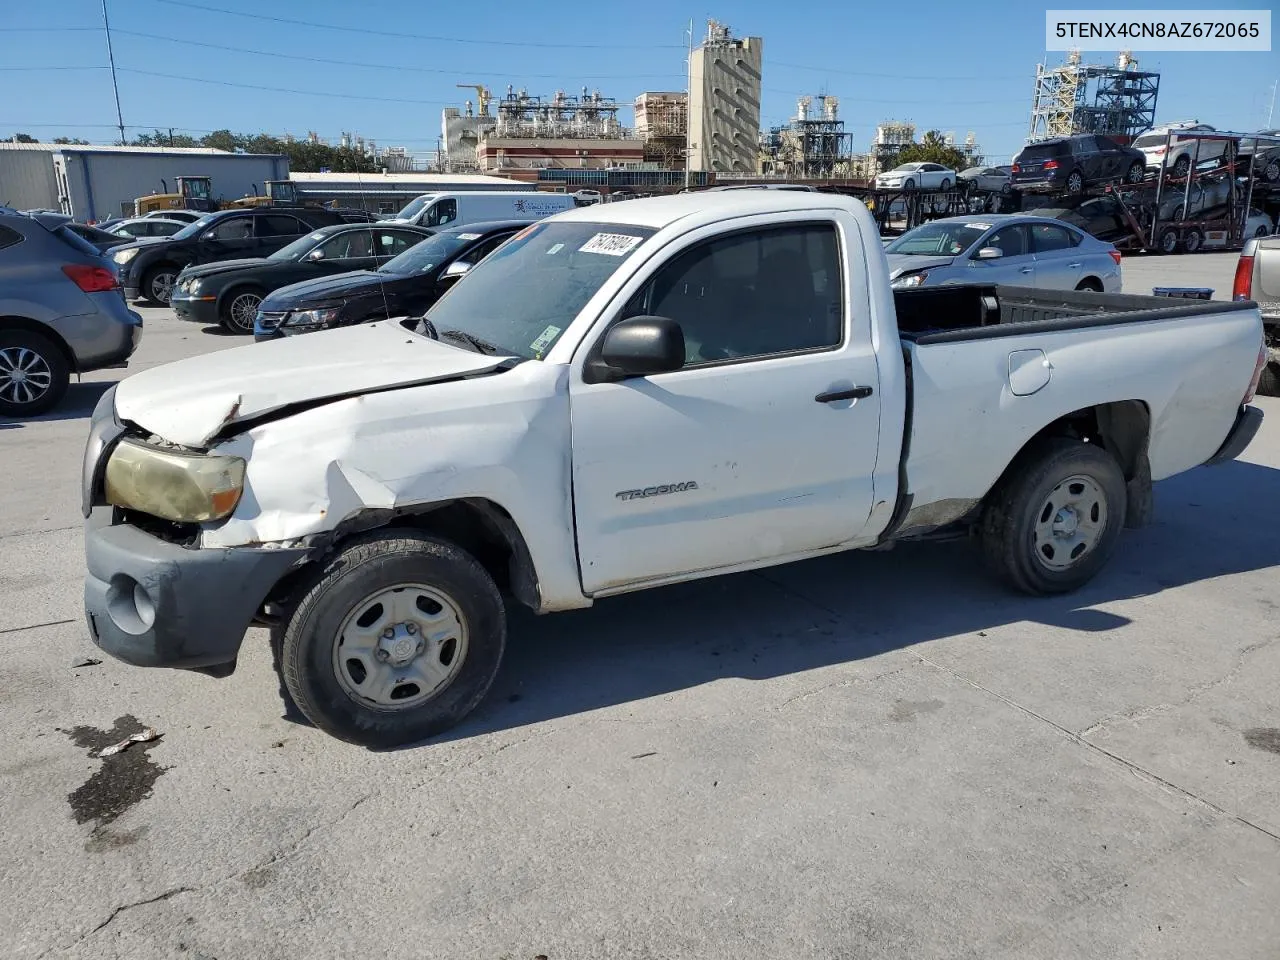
1178,157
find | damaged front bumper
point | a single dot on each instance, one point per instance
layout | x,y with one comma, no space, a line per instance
153,603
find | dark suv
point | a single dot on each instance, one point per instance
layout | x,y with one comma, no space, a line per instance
1072,163
149,267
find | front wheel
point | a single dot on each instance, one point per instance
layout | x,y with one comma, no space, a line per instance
908,185
397,639
1182,166
239,310
1137,170
1054,520
1168,241
1075,182
157,285
945,185
1192,241
33,374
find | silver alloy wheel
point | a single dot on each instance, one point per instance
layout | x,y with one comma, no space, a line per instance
244,310
1271,173
400,646
25,376
161,286
1071,522
1075,183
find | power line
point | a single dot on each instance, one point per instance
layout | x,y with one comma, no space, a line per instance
400,35
378,66
55,67
885,76
308,93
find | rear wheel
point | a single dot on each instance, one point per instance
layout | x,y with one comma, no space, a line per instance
1090,283
945,185
1075,182
239,310
1262,232
396,640
1269,382
1193,241
908,185
33,374
1137,170
1182,166
1271,172
1053,522
1167,242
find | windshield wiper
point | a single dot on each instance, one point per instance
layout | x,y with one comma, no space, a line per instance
478,345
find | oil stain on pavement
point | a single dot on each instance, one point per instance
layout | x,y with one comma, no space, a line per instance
122,781
1263,738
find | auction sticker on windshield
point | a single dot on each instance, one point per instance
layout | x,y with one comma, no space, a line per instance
468,236
610,244
977,226
544,338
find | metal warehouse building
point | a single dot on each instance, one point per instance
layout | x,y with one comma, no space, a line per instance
96,182
389,192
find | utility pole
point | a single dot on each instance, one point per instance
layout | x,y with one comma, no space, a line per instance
688,108
106,26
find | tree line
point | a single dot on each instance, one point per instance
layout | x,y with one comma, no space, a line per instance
304,156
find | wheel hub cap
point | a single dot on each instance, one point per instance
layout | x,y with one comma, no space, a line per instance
24,375
1071,522
400,646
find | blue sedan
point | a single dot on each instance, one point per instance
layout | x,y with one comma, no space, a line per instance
1016,249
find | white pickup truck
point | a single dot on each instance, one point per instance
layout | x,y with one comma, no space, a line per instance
621,397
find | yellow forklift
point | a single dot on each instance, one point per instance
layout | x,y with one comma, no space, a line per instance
193,193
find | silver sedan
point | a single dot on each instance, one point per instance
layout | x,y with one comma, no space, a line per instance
1016,249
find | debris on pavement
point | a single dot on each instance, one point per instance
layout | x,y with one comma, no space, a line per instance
85,662
142,736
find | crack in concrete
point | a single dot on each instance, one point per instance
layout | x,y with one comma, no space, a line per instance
1193,694
844,682
1132,767
173,892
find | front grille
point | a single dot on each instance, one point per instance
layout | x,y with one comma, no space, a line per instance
269,321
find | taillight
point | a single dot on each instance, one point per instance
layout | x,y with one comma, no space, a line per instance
1051,164
91,279
1115,255
1242,289
1015,169
1257,372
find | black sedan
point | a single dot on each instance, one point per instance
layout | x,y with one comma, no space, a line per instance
405,286
228,292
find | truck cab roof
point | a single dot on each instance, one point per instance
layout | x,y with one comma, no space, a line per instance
707,207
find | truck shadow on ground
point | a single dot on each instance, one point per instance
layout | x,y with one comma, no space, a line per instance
854,606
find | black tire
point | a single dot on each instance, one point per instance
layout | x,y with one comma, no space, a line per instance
908,184
1261,232
1271,172
1021,502
1167,242
34,374
367,564
157,283
1137,170
1269,382
1193,241
1075,182
1090,283
1006,188
1182,166
945,185
232,312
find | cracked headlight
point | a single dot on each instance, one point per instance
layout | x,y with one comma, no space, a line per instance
183,487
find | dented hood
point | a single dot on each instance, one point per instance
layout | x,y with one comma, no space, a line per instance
191,401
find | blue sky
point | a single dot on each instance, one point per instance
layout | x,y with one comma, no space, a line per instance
951,66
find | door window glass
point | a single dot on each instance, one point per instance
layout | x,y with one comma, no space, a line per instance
1012,240
278,225
1048,238
233,228
753,294
442,212
482,250
392,242
348,246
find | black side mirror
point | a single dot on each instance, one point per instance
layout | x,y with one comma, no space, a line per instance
638,347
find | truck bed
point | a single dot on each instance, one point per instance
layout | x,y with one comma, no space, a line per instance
956,313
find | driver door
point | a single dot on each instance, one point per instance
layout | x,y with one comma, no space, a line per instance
1017,267
736,458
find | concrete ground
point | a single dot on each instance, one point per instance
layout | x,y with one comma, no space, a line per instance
875,756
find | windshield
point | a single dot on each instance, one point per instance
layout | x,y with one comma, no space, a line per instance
523,296
429,254
414,207
939,239
905,168
1150,140
297,249
193,228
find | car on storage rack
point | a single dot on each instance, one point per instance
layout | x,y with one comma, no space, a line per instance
627,396
987,179
1072,163
60,312
1263,156
149,267
1018,249
403,286
229,292
916,176
1101,216
1161,145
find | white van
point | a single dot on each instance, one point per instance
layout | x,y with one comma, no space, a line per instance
478,206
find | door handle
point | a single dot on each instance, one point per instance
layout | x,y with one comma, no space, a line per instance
1075,266
1027,270
851,393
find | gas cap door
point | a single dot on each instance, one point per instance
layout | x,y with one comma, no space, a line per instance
1029,372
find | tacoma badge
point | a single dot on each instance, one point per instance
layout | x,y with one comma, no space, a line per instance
656,491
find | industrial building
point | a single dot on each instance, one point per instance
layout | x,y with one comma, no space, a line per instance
724,102
662,125
461,133
810,145
573,132
97,182
1122,105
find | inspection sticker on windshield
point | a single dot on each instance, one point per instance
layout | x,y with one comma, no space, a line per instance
977,226
468,236
544,338
555,248
610,244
